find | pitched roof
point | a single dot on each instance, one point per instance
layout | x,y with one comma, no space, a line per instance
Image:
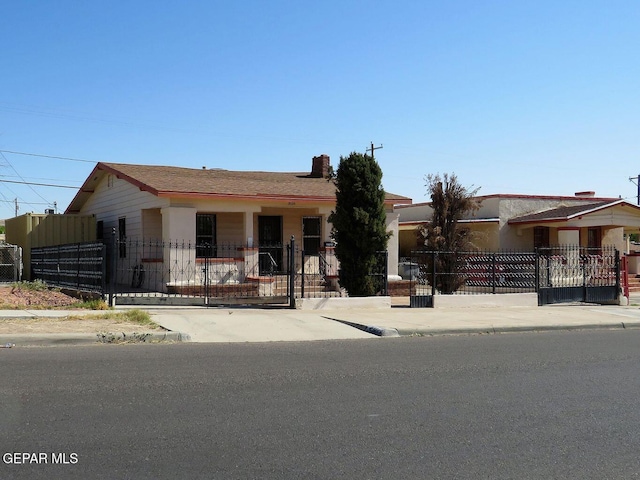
565,213
165,181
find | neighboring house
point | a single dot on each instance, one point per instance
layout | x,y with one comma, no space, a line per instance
523,222
239,213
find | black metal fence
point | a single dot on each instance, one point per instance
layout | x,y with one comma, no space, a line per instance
148,271
78,266
318,275
227,273
578,274
557,274
471,272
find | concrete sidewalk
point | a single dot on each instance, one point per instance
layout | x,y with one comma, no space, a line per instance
263,325
239,324
260,325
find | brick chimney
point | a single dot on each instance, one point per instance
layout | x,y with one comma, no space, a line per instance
320,166
587,194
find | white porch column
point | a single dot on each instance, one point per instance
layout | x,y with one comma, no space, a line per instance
179,224
179,237
569,236
326,226
393,246
249,236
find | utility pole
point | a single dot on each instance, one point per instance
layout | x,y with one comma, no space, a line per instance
636,180
373,149
17,207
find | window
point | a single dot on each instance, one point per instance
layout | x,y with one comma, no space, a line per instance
206,235
594,237
122,237
311,231
540,237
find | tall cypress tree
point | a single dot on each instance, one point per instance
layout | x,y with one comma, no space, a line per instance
359,222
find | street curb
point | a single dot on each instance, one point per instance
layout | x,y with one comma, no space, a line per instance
404,332
372,329
63,339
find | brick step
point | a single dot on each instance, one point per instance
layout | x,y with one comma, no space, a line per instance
307,290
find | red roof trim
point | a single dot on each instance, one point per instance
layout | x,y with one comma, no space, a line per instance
142,186
233,196
547,197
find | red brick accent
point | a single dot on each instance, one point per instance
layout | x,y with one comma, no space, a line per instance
226,290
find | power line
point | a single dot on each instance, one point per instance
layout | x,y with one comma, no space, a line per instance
12,202
38,184
20,176
48,156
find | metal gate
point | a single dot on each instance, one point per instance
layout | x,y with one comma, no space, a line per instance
578,274
10,263
557,274
180,273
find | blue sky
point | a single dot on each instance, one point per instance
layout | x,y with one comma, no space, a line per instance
514,97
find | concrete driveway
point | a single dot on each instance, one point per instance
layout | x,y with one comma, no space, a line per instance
252,324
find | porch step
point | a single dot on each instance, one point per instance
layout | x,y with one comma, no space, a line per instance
633,281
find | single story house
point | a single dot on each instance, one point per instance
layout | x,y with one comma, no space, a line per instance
524,222
234,216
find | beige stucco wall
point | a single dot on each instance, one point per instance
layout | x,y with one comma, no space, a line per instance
615,236
485,236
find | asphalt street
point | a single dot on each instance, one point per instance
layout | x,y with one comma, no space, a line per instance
527,406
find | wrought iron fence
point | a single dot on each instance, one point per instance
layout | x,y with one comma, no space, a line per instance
558,274
199,274
578,274
154,272
467,273
227,273
319,275
576,266
78,266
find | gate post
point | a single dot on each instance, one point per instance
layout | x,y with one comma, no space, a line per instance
617,260
302,275
434,257
114,268
292,272
385,278
493,273
536,268
207,256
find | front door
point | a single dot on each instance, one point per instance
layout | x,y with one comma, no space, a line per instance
270,244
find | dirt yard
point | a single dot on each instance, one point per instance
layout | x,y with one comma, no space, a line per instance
15,301
19,298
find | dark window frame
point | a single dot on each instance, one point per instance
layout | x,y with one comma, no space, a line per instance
541,237
594,237
311,242
206,235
